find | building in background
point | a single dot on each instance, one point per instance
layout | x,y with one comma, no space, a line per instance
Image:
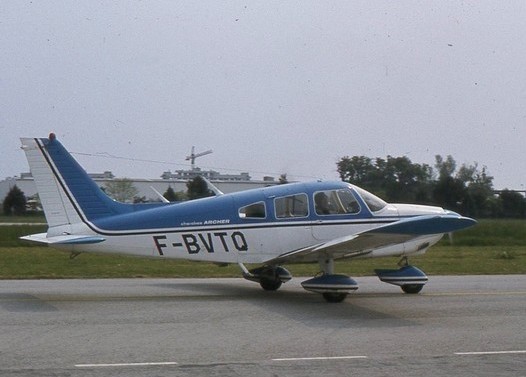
146,187
211,175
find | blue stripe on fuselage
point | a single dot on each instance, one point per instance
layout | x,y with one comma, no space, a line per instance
223,212
107,216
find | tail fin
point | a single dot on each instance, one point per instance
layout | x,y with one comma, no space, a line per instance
67,193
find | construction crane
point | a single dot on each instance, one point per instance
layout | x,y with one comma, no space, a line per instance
194,155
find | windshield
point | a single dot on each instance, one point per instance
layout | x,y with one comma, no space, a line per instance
335,202
374,203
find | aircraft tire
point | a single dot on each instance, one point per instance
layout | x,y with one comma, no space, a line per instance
334,296
270,285
412,288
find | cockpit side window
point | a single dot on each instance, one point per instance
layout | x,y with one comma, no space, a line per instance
335,202
253,211
374,203
292,206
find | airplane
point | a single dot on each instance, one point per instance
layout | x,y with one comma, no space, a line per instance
303,222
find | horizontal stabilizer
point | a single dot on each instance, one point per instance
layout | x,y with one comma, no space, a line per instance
65,239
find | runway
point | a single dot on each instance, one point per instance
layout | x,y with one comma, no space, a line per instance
458,326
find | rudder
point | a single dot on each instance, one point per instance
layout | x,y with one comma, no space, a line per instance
67,193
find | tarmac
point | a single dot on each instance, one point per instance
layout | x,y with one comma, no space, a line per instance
457,326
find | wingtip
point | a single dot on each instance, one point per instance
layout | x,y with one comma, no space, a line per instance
468,221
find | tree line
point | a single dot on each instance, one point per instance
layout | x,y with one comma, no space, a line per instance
467,189
122,190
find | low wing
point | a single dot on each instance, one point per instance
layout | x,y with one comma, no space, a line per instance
65,239
391,234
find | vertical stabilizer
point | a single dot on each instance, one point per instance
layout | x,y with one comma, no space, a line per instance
57,207
67,193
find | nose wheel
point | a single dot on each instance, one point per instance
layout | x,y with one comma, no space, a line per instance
412,288
409,278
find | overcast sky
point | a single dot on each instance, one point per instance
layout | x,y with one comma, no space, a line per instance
272,87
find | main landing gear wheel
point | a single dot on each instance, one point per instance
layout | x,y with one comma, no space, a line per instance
270,285
333,287
269,278
412,288
334,296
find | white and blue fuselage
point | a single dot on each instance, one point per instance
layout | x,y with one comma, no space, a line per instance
299,222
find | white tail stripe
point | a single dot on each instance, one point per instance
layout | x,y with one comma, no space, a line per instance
57,206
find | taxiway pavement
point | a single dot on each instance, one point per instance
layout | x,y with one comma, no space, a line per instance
457,326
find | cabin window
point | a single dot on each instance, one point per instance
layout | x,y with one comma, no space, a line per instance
335,202
292,206
253,211
374,203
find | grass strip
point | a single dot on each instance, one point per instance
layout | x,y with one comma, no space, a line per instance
491,247
43,262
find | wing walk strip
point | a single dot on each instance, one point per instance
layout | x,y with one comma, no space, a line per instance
317,358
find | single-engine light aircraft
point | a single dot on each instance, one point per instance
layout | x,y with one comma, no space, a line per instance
293,223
